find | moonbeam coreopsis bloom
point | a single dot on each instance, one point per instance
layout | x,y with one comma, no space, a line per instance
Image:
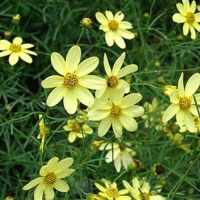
72,86
51,175
183,102
118,112
115,29
16,50
187,16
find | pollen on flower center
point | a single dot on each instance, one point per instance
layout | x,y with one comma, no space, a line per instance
116,111
112,192
185,103
70,80
122,148
76,127
15,48
113,25
190,18
50,178
112,81
144,196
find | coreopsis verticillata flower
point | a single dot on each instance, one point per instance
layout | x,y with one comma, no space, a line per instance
16,50
115,29
72,86
187,16
43,131
118,112
51,175
140,189
183,103
77,130
111,191
114,75
120,154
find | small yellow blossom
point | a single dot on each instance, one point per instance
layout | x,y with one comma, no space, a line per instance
77,130
120,154
16,50
16,19
114,75
140,190
117,112
51,175
111,192
74,81
43,131
114,28
187,16
183,104
97,143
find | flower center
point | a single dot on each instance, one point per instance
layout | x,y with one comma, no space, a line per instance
70,80
190,18
76,127
112,82
15,48
112,192
113,25
50,178
122,148
144,196
116,111
185,103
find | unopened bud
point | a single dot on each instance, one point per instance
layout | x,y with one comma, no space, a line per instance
86,22
16,19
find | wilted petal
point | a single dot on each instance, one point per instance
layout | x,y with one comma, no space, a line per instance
58,63
52,81
61,186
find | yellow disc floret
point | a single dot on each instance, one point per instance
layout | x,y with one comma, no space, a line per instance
70,80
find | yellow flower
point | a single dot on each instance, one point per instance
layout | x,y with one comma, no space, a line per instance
115,28
113,80
51,175
72,85
117,111
111,192
94,197
141,190
120,154
187,16
16,50
43,131
77,130
183,104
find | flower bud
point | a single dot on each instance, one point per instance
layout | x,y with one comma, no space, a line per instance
86,22
16,19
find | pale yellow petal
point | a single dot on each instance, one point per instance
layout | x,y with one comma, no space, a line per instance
101,18
133,111
25,57
128,123
112,155
65,173
38,194
70,101
118,64
118,163
13,58
61,186
126,34
4,45
33,183
186,28
72,136
104,126
27,46
109,37
87,66
193,6
52,164
193,32
189,122
63,164
118,96
178,18
17,40
107,65
197,17
119,40
125,25
127,70
192,85
58,63
181,9
196,26
56,95
136,184
181,90
49,193
186,4
52,81
117,127
101,188
170,112
102,104
124,191
96,115
5,53
119,16
109,15
131,99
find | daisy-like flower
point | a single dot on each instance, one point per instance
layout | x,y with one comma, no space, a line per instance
141,190
43,131
77,130
183,103
51,175
111,192
120,154
113,79
187,16
115,29
117,112
74,81
16,50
